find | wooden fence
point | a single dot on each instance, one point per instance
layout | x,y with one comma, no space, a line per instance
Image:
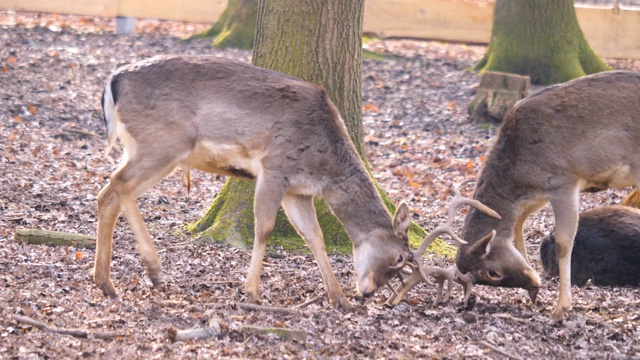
613,33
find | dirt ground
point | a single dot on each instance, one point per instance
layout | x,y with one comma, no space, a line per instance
52,70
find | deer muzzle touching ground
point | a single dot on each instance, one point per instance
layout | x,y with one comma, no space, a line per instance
235,119
583,135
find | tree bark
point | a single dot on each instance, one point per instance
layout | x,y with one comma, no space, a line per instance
236,26
541,39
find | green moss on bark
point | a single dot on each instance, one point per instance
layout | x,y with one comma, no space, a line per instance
236,26
541,39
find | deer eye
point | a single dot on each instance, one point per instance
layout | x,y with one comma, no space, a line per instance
494,274
400,261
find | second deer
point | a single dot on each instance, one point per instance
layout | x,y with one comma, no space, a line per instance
583,135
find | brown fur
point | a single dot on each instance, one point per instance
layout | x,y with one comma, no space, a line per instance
584,134
606,249
236,119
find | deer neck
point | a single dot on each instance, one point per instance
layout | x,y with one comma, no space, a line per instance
496,188
355,201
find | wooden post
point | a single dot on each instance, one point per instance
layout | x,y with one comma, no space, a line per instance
497,93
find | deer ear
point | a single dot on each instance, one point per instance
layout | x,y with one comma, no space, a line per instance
483,246
402,220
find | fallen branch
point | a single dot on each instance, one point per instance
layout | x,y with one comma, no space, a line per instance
255,307
283,333
54,238
73,332
307,303
499,350
192,334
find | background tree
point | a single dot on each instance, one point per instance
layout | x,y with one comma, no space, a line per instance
540,38
236,26
319,41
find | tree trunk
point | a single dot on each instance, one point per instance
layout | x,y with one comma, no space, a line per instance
319,41
236,26
541,39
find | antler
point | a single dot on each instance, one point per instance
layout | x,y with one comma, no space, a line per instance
421,273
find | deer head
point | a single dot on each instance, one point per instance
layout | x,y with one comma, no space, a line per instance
374,263
491,263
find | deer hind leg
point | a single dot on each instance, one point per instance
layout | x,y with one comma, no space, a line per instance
108,211
302,214
128,182
266,203
565,209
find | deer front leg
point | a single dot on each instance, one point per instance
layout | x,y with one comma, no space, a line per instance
302,214
565,210
265,208
108,211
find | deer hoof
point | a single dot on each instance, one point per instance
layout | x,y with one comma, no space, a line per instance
252,297
560,313
342,303
108,288
154,275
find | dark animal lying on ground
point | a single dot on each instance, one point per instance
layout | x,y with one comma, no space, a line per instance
606,248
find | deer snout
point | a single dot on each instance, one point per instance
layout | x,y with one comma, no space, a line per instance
534,284
366,285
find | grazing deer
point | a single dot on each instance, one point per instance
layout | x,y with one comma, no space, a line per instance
235,119
583,135
606,248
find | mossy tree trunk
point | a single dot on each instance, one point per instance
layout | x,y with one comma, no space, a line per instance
319,41
540,38
236,26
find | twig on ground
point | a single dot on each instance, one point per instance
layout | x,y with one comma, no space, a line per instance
498,350
307,303
255,307
80,132
73,332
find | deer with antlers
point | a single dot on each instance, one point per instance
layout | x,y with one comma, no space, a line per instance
583,135
235,119
420,273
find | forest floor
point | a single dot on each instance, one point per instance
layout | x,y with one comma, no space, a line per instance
52,141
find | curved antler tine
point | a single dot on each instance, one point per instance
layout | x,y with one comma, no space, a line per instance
456,237
407,284
466,280
458,200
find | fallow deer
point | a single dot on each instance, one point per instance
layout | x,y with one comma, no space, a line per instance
235,119
606,248
583,135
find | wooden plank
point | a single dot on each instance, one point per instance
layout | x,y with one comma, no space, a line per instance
201,11
105,8
429,19
611,33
